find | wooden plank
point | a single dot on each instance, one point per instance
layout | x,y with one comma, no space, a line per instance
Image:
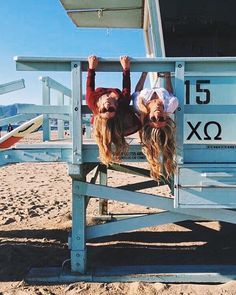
83,4
144,273
44,109
134,223
12,86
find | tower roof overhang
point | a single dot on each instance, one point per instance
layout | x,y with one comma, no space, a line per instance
105,13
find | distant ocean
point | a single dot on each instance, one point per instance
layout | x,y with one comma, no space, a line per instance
11,110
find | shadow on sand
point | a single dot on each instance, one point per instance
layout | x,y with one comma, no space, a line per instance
22,249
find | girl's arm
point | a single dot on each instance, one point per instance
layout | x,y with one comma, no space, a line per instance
168,84
90,84
141,81
125,63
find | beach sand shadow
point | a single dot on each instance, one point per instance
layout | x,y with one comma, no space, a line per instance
197,244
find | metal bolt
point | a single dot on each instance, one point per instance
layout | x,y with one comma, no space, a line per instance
77,238
179,66
76,109
75,65
179,108
77,255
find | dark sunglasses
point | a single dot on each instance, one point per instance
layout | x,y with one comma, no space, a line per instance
159,119
109,110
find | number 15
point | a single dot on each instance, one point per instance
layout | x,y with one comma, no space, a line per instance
198,89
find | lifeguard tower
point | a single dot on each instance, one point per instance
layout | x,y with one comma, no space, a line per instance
204,186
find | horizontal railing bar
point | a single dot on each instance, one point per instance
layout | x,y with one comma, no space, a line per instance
207,186
136,60
45,109
199,64
53,84
12,86
105,192
154,201
16,119
210,109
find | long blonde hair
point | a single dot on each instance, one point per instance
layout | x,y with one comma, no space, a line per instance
159,145
109,135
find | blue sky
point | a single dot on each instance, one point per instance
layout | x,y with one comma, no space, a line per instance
42,28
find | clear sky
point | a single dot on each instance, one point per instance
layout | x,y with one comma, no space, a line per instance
42,28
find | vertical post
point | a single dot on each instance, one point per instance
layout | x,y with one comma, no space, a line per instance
179,116
78,242
156,28
46,101
78,238
60,123
103,204
76,112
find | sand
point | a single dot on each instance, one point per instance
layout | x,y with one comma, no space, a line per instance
35,206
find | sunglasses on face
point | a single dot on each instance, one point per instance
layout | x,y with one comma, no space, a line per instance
159,119
109,110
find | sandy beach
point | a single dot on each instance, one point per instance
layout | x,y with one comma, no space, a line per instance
35,205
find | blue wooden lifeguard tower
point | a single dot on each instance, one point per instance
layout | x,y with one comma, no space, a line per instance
204,186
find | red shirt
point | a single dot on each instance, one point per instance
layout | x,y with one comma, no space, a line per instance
131,121
93,95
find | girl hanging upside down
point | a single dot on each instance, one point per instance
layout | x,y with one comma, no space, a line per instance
157,135
113,119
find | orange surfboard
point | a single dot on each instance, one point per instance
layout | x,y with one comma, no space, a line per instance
9,139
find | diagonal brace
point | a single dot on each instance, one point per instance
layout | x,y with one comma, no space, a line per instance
134,223
148,200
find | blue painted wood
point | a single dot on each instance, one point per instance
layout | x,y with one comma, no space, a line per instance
156,28
78,239
76,112
145,273
154,201
47,85
53,154
206,186
107,14
209,109
16,119
179,114
90,153
134,223
46,101
103,204
208,65
12,86
211,153
196,151
53,84
44,109
60,123
105,192
83,4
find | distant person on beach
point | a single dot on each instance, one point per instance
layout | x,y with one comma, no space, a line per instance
154,107
83,129
113,119
0,131
9,128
